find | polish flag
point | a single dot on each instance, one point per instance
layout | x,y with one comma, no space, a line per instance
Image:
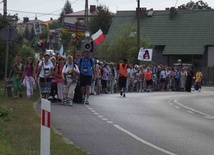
98,37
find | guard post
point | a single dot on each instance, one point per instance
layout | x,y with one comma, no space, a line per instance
45,127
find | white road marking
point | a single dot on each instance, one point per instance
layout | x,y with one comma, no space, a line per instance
105,119
100,116
190,112
96,113
143,141
177,107
90,108
110,122
209,117
191,109
93,111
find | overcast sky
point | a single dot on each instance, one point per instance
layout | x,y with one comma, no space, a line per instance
32,7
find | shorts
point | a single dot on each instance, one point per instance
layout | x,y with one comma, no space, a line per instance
162,80
149,82
85,80
104,83
122,81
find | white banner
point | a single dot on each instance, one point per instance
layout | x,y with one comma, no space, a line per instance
140,54
145,54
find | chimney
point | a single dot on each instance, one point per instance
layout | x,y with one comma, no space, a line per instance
166,8
51,18
142,12
25,19
92,8
173,12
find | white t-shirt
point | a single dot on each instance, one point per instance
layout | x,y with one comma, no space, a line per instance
46,68
68,69
163,74
132,73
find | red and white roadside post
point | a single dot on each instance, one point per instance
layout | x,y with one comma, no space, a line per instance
45,127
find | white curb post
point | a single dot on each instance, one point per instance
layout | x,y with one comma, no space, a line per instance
45,127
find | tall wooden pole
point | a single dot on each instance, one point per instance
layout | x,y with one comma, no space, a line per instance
138,25
86,15
5,8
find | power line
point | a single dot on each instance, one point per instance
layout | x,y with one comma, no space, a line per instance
31,12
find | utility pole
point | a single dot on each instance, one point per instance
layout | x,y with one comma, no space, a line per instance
86,15
5,8
138,25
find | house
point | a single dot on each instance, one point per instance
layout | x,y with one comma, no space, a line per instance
187,35
26,23
79,16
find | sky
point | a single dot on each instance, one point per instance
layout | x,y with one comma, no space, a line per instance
46,9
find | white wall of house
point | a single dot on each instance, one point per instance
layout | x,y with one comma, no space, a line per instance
71,20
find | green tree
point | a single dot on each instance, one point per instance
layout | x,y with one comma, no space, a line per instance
66,10
102,20
125,46
13,49
25,52
32,34
27,33
199,5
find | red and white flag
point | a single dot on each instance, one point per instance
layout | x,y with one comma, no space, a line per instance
98,37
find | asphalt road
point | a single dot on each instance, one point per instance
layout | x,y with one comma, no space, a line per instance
155,123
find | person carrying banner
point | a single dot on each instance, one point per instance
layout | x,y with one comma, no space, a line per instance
123,74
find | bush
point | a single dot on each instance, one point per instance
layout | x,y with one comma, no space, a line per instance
3,112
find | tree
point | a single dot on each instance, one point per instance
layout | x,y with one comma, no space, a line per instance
25,52
27,33
199,5
125,46
13,49
32,34
66,10
102,20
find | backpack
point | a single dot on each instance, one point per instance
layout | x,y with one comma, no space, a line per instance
177,75
90,62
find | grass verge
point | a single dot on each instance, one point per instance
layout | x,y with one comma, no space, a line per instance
20,130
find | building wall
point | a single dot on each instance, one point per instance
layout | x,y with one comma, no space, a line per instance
158,57
210,56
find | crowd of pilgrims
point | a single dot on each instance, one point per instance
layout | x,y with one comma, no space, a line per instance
141,78
163,78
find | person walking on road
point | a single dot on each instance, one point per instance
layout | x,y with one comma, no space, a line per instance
29,80
69,73
45,75
123,74
148,79
87,74
198,80
17,74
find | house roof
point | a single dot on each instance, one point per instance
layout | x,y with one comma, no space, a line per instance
81,13
187,33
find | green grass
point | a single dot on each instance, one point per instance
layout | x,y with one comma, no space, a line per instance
20,130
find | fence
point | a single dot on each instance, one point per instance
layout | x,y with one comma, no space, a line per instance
208,74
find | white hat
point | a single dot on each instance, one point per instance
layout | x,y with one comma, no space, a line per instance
47,53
